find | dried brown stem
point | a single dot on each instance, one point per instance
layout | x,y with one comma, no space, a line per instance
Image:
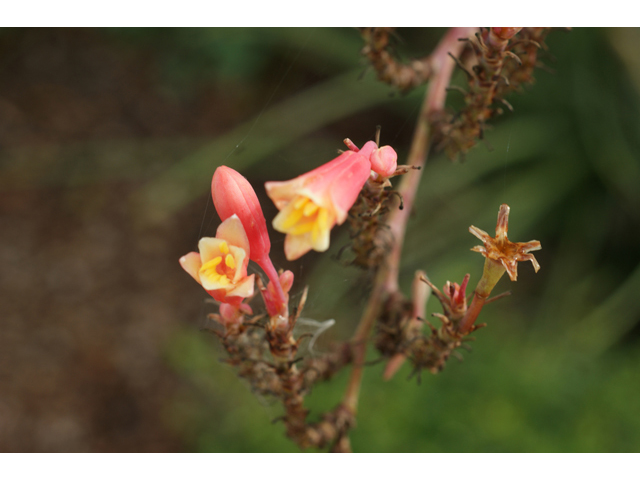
389,70
503,63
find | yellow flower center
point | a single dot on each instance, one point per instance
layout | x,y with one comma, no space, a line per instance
304,217
222,268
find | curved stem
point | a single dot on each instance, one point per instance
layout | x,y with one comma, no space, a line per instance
472,313
359,341
386,280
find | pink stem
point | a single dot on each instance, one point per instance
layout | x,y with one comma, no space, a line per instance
267,266
387,279
472,313
443,66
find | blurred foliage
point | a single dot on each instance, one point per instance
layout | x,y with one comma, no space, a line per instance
556,368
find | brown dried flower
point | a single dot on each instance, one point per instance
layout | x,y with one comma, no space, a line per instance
501,250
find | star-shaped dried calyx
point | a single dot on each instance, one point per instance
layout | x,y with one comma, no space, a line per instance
501,250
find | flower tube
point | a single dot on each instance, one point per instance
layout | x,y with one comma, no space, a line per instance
313,203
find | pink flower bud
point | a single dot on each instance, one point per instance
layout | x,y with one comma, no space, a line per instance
313,203
233,194
220,266
505,33
384,161
457,297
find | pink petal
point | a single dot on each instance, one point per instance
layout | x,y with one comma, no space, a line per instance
233,194
241,259
233,232
191,263
244,288
347,187
296,246
314,184
384,161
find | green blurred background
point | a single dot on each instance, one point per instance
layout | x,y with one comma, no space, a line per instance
108,140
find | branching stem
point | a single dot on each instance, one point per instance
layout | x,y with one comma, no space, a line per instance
386,281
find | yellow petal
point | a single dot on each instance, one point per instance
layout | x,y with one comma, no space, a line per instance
309,209
232,232
243,288
320,237
300,202
291,218
209,248
214,281
323,219
296,246
211,264
241,260
302,228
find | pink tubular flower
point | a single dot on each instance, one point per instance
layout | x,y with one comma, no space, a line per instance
233,195
221,264
384,160
313,203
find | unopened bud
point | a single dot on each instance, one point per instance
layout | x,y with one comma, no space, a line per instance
233,194
384,161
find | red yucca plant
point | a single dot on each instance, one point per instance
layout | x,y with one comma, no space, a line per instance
356,187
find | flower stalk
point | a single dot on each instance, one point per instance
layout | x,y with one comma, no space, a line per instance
233,195
356,186
386,280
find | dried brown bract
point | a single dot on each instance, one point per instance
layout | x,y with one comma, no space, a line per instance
390,70
503,60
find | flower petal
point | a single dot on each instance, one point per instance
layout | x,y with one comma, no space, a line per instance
480,234
296,246
241,261
191,263
215,282
321,231
286,217
233,232
314,184
244,288
347,186
210,248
